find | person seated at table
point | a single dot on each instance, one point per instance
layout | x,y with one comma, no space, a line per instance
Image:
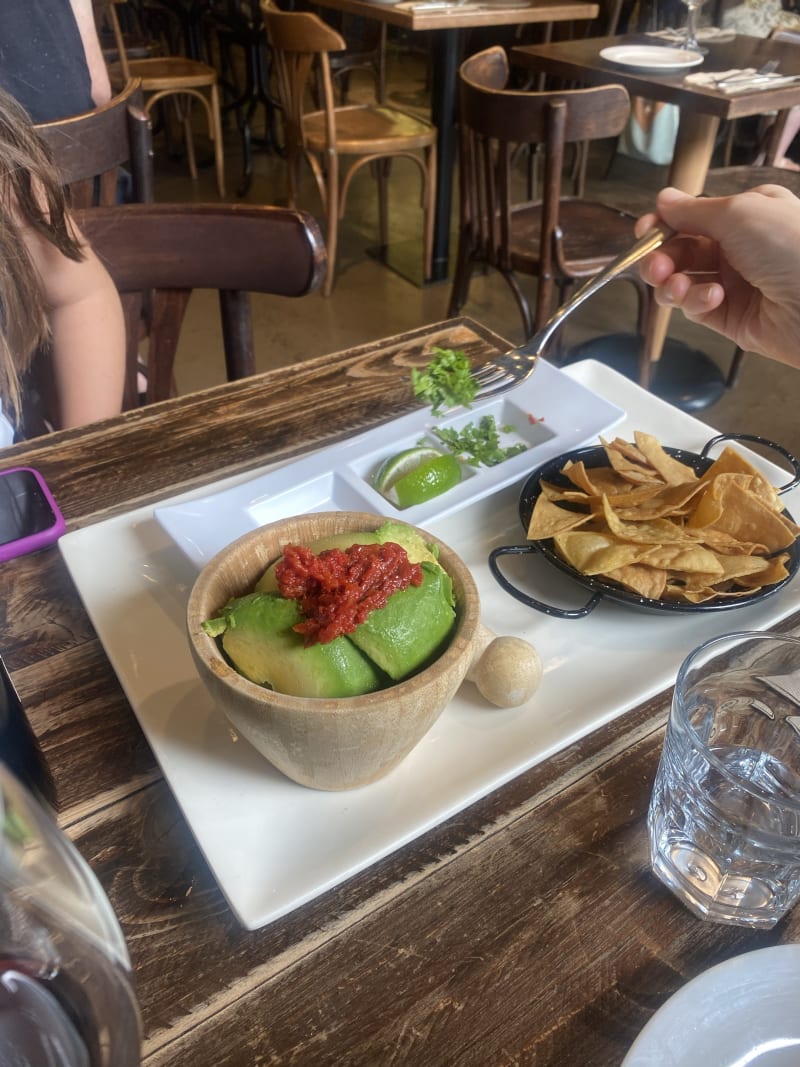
758,18
55,294
51,59
732,266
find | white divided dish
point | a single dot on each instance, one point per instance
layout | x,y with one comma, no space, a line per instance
273,845
741,1013
550,413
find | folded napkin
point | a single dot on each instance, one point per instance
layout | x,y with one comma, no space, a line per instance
744,80
705,33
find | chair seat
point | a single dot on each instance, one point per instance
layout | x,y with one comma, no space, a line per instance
592,233
368,129
168,72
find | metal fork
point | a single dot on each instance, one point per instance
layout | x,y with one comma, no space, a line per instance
516,365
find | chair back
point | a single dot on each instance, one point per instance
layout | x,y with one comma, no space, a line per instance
90,149
301,42
494,121
158,253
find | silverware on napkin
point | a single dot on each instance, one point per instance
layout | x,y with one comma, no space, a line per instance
740,81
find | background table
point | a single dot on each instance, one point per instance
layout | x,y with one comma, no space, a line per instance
701,109
525,929
448,24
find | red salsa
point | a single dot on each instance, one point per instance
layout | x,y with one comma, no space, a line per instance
338,589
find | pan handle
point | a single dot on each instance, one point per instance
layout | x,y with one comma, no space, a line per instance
754,438
525,598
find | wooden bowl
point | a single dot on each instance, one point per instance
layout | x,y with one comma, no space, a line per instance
327,743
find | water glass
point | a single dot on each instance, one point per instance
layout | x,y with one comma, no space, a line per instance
724,819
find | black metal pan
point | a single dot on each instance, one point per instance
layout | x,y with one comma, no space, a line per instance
603,588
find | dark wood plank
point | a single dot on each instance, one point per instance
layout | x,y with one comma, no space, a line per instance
525,929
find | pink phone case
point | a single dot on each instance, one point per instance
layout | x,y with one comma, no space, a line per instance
47,516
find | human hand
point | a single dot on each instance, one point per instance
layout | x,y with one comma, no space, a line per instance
733,266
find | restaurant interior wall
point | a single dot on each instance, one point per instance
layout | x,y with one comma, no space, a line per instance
371,301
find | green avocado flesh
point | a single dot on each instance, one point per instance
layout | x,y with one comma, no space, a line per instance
408,632
261,644
392,643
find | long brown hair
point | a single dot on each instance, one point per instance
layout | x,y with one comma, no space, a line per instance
30,195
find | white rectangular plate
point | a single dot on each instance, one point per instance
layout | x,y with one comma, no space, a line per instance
550,413
273,845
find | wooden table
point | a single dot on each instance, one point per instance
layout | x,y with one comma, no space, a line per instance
701,109
448,24
526,929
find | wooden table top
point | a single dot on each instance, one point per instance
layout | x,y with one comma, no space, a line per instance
471,13
581,60
525,929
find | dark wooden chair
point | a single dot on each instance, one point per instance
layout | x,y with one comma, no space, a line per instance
158,253
91,149
557,239
337,142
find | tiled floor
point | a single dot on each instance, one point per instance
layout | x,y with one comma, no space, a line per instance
371,301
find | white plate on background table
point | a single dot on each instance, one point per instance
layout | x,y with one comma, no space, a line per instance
273,845
651,57
550,413
741,1013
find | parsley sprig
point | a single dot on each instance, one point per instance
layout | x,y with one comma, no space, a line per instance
446,381
479,443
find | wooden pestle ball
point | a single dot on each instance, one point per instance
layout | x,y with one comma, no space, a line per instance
507,671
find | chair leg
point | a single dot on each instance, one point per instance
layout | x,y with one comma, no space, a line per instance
332,209
735,368
183,107
429,208
215,118
382,170
462,276
522,302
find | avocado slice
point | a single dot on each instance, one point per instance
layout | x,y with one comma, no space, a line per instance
417,548
409,631
258,638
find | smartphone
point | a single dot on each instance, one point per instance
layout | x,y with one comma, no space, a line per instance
19,748
29,516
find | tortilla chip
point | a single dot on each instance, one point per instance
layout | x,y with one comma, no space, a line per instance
648,523
671,470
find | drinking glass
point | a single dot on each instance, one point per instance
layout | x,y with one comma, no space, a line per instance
66,998
724,818
690,43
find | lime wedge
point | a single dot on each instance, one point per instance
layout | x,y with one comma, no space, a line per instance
395,467
427,481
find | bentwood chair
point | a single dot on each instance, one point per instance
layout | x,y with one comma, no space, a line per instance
366,134
557,239
91,149
174,78
158,253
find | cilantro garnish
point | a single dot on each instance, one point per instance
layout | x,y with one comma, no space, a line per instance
446,381
479,443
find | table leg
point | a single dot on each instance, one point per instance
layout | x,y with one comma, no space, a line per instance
446,51
690,162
